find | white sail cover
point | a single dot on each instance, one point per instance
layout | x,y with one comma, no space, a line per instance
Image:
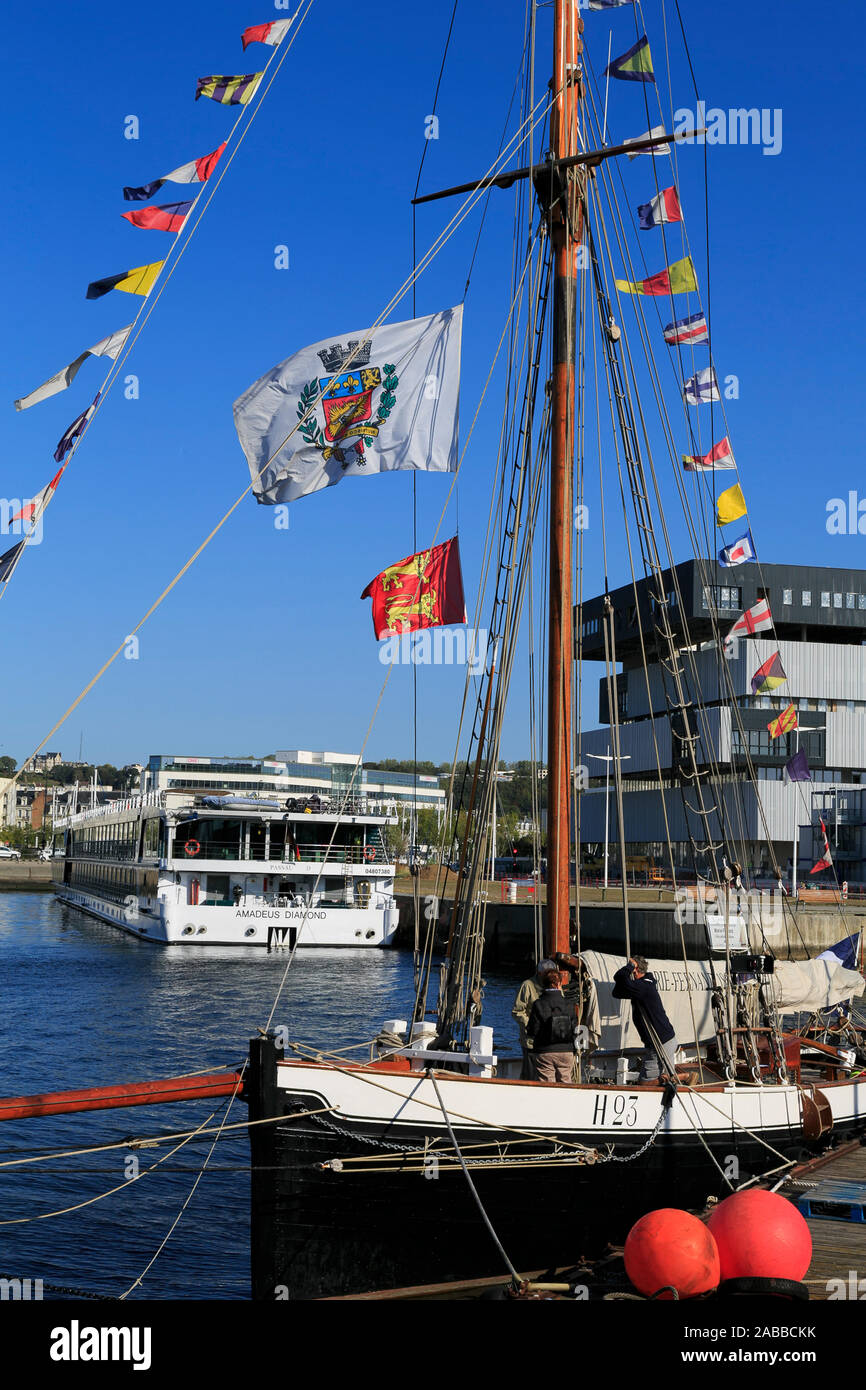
686,994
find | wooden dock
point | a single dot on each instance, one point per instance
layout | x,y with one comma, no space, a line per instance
838,1247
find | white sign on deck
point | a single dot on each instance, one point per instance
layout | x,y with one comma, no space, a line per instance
738,937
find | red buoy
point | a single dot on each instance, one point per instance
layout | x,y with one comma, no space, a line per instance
761,1235
670,1248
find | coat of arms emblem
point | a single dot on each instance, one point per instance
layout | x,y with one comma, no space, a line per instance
345,399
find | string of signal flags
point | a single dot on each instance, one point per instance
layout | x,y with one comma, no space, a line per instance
635,65
163,217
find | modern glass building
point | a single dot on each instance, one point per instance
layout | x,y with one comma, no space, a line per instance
820,626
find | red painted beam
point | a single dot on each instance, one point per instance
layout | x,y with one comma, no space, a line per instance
219,1083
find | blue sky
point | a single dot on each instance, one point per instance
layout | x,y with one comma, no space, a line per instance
265,643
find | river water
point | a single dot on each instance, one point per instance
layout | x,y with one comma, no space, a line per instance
85,1005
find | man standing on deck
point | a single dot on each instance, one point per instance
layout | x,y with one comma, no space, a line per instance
529,991
652,1023
551,1028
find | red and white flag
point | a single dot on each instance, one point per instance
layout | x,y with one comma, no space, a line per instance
32,510
718,459
272,33
755,619
825,862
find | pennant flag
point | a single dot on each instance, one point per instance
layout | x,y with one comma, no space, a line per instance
826,860
844,953
423,590
797,767
663,208
679,278
32,510
785,724
371,412
701,387
654,134
738,552
272,33
138,281
688,330
197,171
76,429
730,505
108,347
756,619
768,675
635,65
717,460
9,561
168,217
229,91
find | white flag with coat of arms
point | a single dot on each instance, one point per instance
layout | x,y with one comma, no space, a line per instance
371,402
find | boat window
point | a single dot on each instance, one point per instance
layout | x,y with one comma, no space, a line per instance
218,894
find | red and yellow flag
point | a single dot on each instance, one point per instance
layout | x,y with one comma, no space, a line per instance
786,721
423,590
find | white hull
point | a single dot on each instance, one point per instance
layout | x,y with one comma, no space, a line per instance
595,1113
180,924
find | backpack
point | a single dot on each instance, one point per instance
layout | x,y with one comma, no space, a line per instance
558,1028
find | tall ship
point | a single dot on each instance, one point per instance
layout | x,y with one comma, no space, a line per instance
224,869
423,1152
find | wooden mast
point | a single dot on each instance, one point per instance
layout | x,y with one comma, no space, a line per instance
565,226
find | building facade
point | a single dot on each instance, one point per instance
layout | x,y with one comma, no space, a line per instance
296,772
820,623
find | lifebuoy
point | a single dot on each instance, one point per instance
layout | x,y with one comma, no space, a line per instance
191,848
369,853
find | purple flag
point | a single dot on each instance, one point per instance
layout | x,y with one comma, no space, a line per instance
76,429
797,768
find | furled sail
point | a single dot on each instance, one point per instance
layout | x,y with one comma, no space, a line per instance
686,994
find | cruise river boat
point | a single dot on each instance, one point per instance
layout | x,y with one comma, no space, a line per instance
229,870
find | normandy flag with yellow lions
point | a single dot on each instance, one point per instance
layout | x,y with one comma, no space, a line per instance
423,590
373,402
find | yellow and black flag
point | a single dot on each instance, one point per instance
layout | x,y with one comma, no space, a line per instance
229,91
138,281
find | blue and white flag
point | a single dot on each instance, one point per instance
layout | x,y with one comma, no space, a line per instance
701,387
738,552
75,431
844,952
692,329
369,403
607,4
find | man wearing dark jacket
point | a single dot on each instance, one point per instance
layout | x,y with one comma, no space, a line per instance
551,1028
652,1023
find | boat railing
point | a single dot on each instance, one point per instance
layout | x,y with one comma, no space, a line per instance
315,853
139,802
